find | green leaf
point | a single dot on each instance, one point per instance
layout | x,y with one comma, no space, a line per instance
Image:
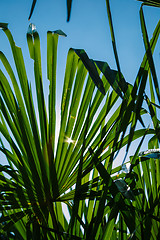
31,28
119,85
32,9
154,3
3,25
90,66
149,53
60,32
114,42
124,189
151,153
69,6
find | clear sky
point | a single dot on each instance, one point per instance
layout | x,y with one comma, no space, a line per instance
88,29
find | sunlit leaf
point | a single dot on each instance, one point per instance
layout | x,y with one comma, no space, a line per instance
31,28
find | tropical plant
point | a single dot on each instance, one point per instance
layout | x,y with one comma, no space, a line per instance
154,3
44,174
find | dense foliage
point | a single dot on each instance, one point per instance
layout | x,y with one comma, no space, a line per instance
66,187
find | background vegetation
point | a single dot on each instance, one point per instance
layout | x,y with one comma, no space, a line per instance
99,116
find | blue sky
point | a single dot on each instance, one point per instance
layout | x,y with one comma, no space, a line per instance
88,29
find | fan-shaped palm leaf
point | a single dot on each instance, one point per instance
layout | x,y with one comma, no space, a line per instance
46,170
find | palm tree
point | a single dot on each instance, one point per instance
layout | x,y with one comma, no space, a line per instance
44,175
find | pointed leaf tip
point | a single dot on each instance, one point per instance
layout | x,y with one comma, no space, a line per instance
31,28
3,25
32,8
60,32
69,5
90,66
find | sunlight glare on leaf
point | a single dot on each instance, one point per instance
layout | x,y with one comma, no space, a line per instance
69,140
151,153
126,168
31,28
124,189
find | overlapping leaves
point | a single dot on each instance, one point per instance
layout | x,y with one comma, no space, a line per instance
42,172
46,170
